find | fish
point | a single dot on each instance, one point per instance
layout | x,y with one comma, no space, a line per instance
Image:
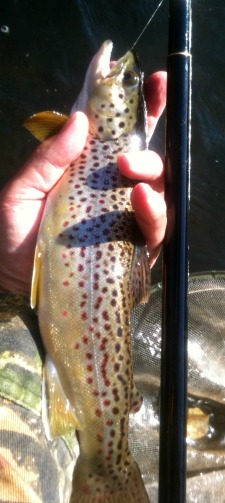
91,268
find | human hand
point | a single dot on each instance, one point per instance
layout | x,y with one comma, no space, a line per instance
148,196
22,202
23,199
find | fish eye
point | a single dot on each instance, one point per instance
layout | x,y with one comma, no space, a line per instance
130,79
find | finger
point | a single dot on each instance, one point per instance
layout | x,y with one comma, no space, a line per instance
50,160
155,95
145,165
150,213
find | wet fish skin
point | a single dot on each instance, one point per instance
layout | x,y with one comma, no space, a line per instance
91,267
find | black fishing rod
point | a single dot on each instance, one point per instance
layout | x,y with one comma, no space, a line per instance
173,399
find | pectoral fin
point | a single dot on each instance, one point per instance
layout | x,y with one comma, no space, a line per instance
58,416
140,276
43,125
38,261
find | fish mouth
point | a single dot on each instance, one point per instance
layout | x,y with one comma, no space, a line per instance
103,57
107,68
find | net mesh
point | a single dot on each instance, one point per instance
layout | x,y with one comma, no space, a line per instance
206,389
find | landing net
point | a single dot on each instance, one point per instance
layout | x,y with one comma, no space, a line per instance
206,389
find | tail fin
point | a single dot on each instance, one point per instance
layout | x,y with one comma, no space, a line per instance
95,488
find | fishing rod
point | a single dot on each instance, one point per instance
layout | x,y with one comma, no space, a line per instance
173,397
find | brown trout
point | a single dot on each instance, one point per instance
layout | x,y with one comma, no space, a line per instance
91,268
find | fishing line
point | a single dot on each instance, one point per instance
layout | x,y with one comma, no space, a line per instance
148,22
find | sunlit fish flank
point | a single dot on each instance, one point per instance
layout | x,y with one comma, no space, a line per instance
91,268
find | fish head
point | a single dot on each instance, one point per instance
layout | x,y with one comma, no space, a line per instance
112,94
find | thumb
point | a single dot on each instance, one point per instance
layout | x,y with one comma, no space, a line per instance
50,160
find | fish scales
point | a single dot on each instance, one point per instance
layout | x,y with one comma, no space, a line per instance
86,280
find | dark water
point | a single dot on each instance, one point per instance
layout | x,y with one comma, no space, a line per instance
45,47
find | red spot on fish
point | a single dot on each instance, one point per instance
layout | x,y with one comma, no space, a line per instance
109,422
104,360
89,356
99,436
65,223
64,255
106,402
96,392
66,283
89,380
98,255
77,345
85,339
89,368
80,267
103,344
98,413
81,284
105,315
98,302
91,328
84,316
65,313
71,208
